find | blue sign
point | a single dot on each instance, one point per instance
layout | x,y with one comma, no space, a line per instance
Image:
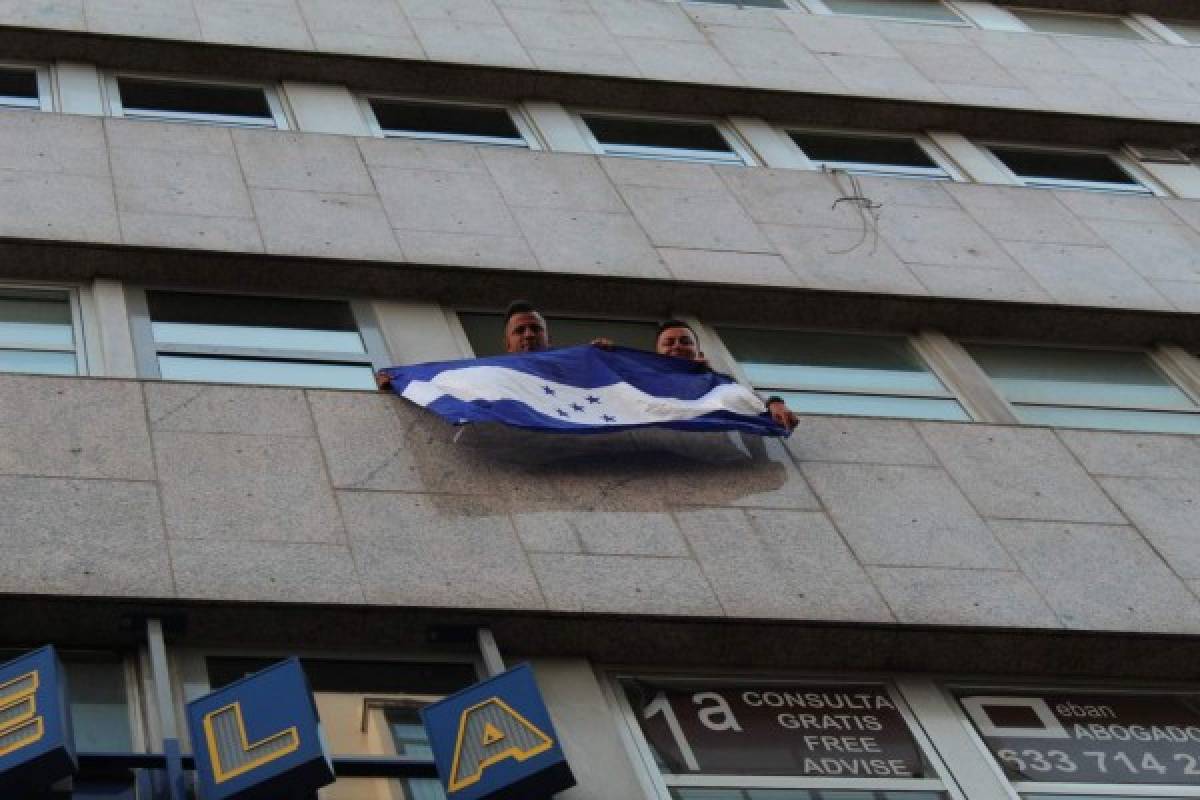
37,745
495,741
259,737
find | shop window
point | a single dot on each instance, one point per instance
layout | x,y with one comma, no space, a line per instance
777,740
38,332
842,374
485,332
369,708
898,156
906,10
417,119
1105,26
1080,388
256,340
20,87
1088,743
673,140
239,105
1062,169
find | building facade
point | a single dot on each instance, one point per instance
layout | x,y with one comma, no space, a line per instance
960,237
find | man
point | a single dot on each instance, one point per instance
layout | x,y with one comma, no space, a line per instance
677,339
525,329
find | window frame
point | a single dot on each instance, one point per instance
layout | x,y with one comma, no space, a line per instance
79,306
147,350
460,331
788,5
45,87
948,172
740,149
658,784
952,390
515,113
271,92
964,20
1149,186
1143,34
1173,375
946,686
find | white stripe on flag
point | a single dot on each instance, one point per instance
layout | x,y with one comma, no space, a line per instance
618,404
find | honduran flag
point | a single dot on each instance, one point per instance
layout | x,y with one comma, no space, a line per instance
584,389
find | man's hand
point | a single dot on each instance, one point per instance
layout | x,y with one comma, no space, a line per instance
783,415
382,380
603,344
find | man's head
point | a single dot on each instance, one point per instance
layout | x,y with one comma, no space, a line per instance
677,339
525,329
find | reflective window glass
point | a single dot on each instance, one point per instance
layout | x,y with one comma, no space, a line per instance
485,332
1188,29
37,333
19,88
1058,170
369,708
913,10
852,374
258,340
868,155
99,704
745,3
666,139
195,102
487,125
98,695
1075,387
1107,26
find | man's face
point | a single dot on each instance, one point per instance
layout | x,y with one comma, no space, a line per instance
526,332
678,343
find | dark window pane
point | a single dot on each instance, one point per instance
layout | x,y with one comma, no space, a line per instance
1063,166
217,309
485,332
746,3
440,118
193,98
657,133
865,150
18,83
377,677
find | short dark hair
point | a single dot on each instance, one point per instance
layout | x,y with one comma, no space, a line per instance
519,307
673,323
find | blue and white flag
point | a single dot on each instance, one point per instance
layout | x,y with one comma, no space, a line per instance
584,389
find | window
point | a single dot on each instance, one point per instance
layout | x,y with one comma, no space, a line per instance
1086,743
674,140
38,332
745,3
368,708
1107,26
850,374
1068,169
901,156
1189,29
754,739
485,332
1080,388
239,105
421,119
23,87
256,340
906,10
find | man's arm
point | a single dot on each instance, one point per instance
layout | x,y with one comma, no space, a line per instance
781,413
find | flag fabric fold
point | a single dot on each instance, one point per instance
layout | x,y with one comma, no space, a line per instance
584,389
